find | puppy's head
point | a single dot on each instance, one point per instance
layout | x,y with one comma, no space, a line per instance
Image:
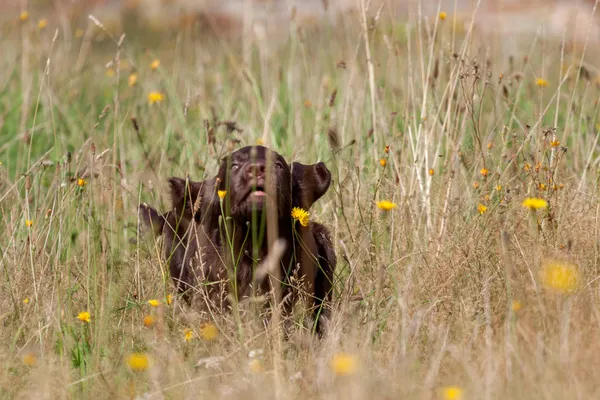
309,183
252,176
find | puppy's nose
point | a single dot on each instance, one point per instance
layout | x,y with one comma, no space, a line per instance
256,169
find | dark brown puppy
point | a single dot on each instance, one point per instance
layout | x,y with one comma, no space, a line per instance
259,184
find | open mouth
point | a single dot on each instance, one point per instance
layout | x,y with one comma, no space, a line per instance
258,191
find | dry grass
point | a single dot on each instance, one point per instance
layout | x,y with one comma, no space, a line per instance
444,290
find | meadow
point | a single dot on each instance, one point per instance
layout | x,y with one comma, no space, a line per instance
464,208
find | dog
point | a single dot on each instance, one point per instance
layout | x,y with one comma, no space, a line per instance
209,240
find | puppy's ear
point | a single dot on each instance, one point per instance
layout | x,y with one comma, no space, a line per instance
309,183
151,220
187,199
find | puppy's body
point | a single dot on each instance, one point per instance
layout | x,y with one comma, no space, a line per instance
211,239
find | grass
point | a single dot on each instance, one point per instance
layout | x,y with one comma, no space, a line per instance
436,298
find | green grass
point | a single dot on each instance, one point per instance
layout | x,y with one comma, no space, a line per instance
424,293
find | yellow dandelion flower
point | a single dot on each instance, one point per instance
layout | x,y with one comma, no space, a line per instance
188,335
208,332
24,16
431,172
132,80
300,215
221,194
542,186
28,223
475,185
149,321
499,187
343,364
138,362
255,366
452,393
486,197
387,149
155,97
154,302
155,64
42,23
482,209
560,277
81,182
490,145
484,172
534,203
29,359
515,305
555,143
443,15
170,299
26,300
79,33
386,205
541,82
383,162
260,142
85,316
526,167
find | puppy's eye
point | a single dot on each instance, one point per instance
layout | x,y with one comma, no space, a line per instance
234,166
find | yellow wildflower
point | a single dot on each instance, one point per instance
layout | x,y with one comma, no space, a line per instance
515,305
188,335
155,64
484,172
155,97
499,187
24,16
42,23
443,15
431,172
307,103
300,215
29,359
84,316
560,277
208,332
386,205
542,186
132,80
154,302
452,393
541,82
26,300
81,182
260,142
475,185
387,149
28,223
149,321
490,145
482,209
255,366
383,162
110,72
221,194
555,143
170,299
343,364
138,362
534,203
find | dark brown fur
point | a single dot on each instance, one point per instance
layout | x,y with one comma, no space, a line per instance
198,219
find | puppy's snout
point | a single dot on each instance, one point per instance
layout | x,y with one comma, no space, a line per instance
256,170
